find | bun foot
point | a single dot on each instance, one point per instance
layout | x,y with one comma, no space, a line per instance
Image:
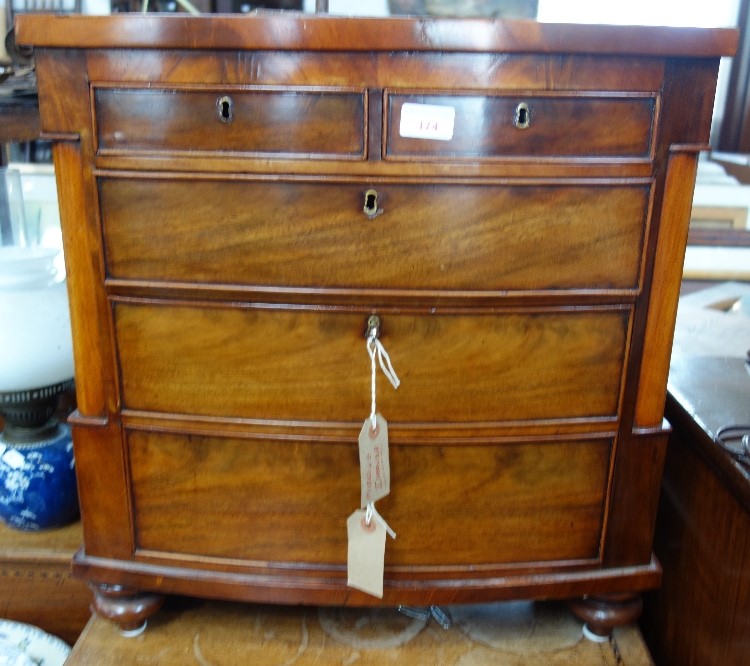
126,607
603,613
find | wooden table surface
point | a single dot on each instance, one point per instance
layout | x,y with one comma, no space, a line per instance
709,381
219,633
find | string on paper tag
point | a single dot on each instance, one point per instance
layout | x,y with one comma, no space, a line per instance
366,528
375,348
371,512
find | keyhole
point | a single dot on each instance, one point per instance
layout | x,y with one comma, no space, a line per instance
371,203
523,116
373,327
224,105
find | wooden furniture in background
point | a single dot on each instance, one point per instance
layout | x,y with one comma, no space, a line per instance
719,218
35,582
36,585
735,125
19,121
701,613
240,195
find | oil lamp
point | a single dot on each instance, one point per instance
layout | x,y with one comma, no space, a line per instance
37,470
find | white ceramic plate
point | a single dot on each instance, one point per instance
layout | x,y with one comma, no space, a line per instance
40,648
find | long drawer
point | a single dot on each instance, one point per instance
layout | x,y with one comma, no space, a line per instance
286,501
307,364
429,236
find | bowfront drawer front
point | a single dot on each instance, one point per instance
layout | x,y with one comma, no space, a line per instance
309,365
288,122
470,126
425,237
286,501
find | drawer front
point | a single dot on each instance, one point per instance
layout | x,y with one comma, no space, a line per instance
281,501
489,127
265,121
309,365
425,237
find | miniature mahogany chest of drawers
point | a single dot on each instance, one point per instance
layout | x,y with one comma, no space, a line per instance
239,195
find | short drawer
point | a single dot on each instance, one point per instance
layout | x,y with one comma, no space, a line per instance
283,122
448,126
281,501
304,364
423,237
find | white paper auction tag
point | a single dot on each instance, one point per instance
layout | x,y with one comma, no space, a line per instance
427,121
374,462
366,553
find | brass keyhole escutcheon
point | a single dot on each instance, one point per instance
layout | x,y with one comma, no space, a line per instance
373,327
224,105
371,204
522,118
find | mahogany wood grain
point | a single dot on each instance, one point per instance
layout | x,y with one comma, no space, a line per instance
673,230
222,274
438,71
531,502
125,606
560,125
681,135
639,461
295,32
102,482
701,615
702,611
291,122
602,614
91,346
257,582
297,364
62,81
506,240
522,170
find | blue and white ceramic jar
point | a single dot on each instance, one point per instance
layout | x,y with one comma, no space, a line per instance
37,471
38,482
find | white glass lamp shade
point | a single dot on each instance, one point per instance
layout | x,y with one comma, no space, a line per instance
37,467
36,348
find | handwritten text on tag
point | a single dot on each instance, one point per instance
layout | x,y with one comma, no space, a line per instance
427,121
374,462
